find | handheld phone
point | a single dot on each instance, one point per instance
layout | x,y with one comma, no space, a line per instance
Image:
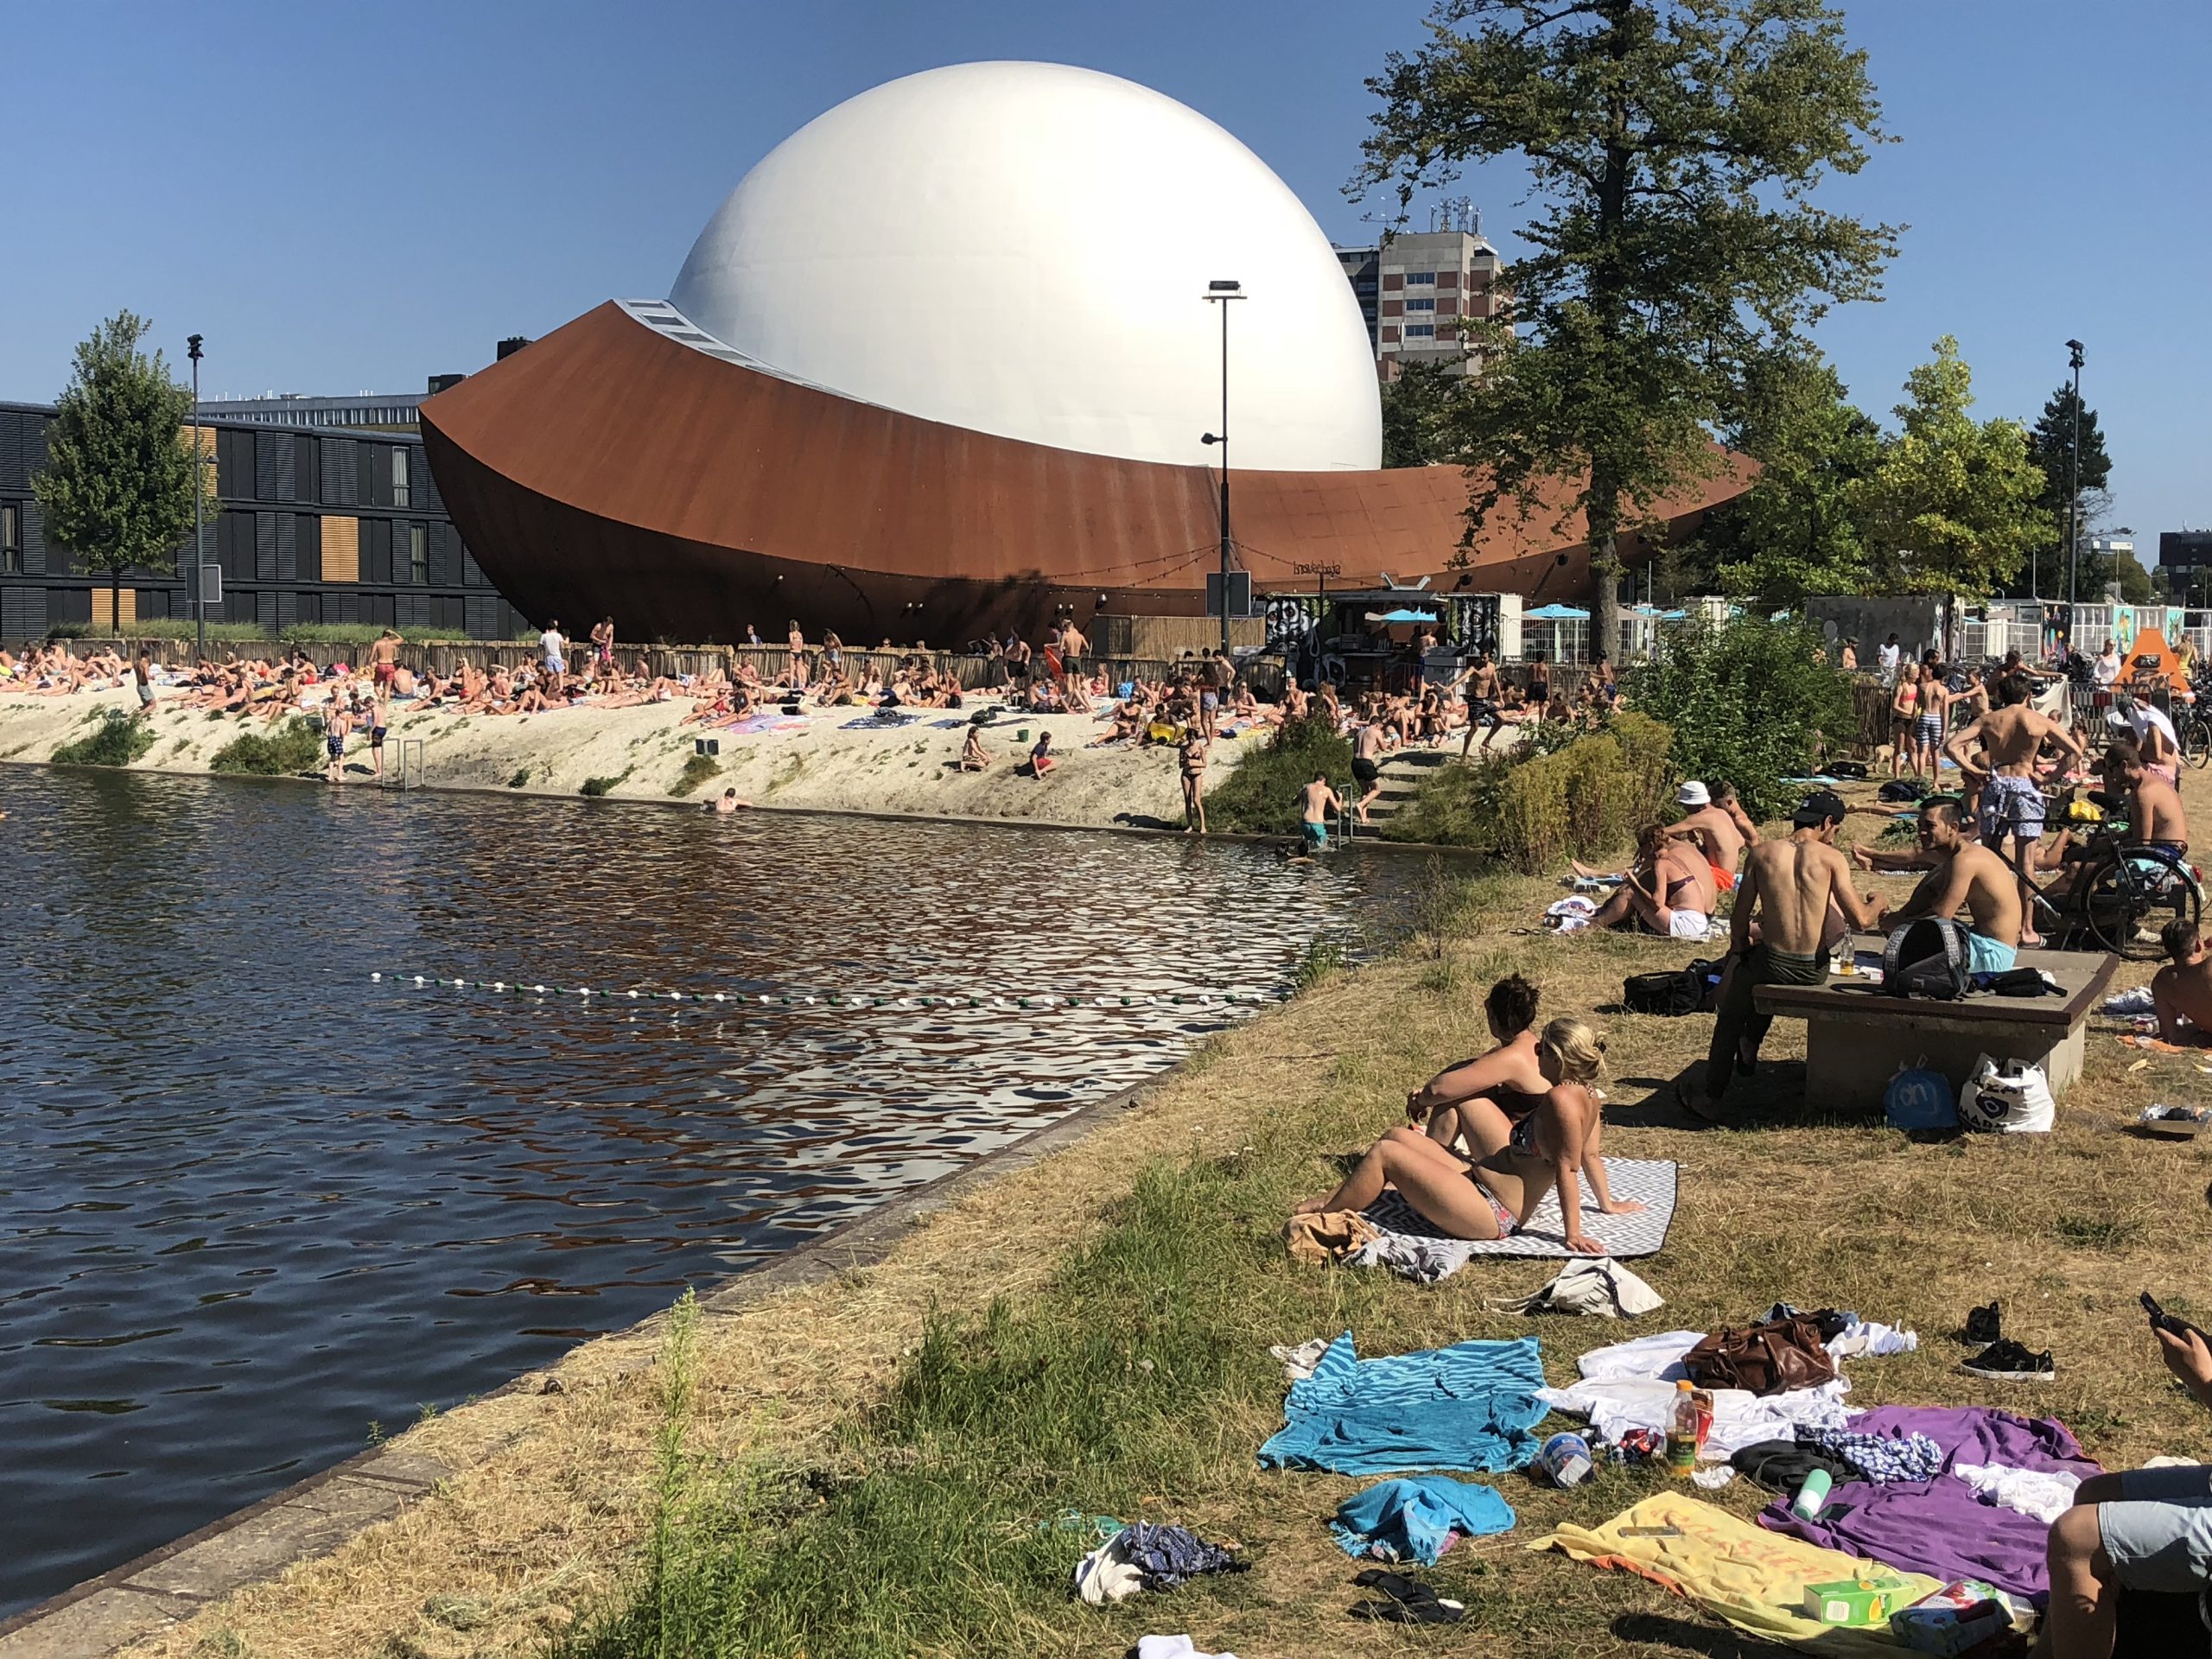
2162,1320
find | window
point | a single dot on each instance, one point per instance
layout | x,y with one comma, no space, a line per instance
402,494
1390,334
1418,278
11,539
1420,305
418,554
1421,330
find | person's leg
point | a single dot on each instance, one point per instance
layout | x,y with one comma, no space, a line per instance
1484,1127
1428,1178
2082,1602
1729,1025
1615,910
2023,860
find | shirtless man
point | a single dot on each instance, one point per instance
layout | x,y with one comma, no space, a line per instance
1194,782
141,671
728,802
1317,806
2154,811
2182,991
2012,736
383,661
2153,729
336,726
1482,693
1669,890
1968,874
1930,723
1788,885
1367,746
1718,832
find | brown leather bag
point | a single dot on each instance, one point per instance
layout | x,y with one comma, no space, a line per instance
1768,1359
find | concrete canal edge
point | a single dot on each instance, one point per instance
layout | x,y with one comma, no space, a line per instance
312,1518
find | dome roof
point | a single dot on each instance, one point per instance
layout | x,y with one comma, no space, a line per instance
1021,249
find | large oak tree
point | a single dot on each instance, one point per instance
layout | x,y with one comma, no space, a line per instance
1672,149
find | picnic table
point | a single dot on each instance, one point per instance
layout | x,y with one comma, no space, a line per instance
1856,1037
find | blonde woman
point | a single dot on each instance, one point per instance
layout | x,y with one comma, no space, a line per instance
1555,1146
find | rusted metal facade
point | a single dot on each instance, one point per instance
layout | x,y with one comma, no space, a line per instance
606,469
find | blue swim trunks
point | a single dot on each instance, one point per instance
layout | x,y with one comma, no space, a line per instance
1986,956
1317,836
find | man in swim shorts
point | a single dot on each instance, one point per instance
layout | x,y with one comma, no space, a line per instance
2009,737
384,660
1788,886
1968,875
1318,803
1718,832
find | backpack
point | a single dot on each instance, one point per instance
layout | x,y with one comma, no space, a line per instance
1677,991
1928,957
1903,790
1849,769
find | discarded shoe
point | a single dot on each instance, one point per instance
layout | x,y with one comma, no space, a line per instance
2006,1361
1984,1325
1408,1601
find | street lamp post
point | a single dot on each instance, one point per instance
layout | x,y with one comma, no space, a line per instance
2073,494
199,510
1221,292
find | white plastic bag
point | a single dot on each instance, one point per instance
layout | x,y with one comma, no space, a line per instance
2013,1096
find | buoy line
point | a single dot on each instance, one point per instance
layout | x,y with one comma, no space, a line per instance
823,999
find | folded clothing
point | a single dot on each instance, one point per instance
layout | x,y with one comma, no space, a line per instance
1880,1457
1418,1518
1782,1465
1147,1556
1318,1238
2042,1493
1471,1405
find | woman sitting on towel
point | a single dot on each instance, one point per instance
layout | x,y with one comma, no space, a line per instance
1493,1197
1473,1107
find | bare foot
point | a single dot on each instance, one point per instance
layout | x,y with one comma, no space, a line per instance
1310,1207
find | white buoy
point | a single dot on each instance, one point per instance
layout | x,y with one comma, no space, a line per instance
376,975
720,997
419,979
540,989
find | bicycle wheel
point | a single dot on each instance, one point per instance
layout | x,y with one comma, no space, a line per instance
2127,901
2196,740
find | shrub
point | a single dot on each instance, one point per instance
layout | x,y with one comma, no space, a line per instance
598,786
696,771
521,777
1748,704
1260,794
1646,756
117,740
1454,804
294,748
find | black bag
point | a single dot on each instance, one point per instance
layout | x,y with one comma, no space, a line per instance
1902,790
1928,957
1851,769
1672,994
2023,982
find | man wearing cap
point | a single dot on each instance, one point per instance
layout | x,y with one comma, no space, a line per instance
1715,830
1790,885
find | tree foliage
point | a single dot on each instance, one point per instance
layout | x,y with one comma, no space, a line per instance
1672,146
1801,527
1952,504
119,478
1420,412
1749,704
2050,443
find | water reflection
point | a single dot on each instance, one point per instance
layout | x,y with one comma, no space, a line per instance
251,1200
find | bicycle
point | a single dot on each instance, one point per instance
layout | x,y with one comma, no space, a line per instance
2193,730
2121,894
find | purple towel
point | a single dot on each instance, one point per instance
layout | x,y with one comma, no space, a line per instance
1941,1527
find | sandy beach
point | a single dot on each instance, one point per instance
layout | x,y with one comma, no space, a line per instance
831,759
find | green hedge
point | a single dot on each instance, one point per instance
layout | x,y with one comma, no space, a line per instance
118,739
293,749
1262,794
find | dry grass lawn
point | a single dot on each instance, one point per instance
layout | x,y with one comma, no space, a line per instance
2064,1229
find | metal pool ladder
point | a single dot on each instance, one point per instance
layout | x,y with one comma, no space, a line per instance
408,773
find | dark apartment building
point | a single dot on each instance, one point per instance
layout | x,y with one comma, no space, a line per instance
317,524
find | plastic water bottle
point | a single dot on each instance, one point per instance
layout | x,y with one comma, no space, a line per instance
1806,1506
1683,1432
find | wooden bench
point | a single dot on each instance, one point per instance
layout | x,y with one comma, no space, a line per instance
1856,1037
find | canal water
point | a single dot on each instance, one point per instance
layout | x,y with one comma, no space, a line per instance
253,1200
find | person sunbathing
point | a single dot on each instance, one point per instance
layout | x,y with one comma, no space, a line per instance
2181,992
1669,890
1555,1148
1472,1106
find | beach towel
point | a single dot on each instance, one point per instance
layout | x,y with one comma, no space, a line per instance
1415,1247
1468,1407
749,723
883,720
1754,1580
1418,1519
1942,1526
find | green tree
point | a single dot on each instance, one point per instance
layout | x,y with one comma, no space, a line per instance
117,488
2050,442
1419,410
1672,146
2135,588
1801,528
1952,506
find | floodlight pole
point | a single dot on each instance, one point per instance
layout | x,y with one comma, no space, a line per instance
1222,292
199,510
2074,496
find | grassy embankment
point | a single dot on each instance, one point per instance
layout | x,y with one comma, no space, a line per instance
871,1467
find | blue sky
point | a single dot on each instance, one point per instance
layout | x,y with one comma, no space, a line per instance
343,197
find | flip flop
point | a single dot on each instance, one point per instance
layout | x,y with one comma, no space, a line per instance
1714,1117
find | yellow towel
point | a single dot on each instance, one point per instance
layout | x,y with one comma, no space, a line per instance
1752,1578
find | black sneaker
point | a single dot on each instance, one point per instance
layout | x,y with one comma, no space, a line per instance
1983,1325
2007,1361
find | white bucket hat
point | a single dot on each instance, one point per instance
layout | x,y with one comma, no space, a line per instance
1693,794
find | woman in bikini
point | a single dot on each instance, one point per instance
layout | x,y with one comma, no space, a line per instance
1473,1107
1557,1145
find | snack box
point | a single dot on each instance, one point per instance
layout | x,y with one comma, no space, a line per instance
1857,1602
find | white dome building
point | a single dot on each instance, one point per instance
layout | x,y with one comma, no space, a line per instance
1021,249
